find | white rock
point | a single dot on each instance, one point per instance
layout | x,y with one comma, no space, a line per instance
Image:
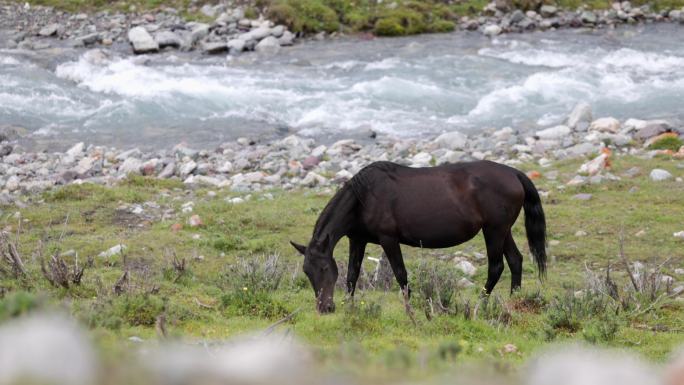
187,168
319,151
556,132
343,175
167,39
286,39
269,45
492,30
76,150
464,283
466,267
679,271
679,234
112,251
236,45
581,113
610,125
225,167
312,179
130,166
421,159
254,177
278,31
142,41
594,166
658,175
235,201
452,140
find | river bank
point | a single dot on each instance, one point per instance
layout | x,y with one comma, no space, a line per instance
226,29
250,164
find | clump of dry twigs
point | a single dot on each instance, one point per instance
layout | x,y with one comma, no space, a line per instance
10,259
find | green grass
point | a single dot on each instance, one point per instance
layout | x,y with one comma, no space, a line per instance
373,336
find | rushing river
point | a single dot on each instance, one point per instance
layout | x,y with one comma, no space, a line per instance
400,87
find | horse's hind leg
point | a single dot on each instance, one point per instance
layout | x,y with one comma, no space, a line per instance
357,248
494,238
515,261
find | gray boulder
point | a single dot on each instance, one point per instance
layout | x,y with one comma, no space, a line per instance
557,132
214,47
199,32
548,11
268,45
167,39
236,46
142,41
50,30
651,129
287,38
492,30
452,140
581,113
588,17
89,39
658,175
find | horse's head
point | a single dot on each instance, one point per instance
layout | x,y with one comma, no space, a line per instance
321,270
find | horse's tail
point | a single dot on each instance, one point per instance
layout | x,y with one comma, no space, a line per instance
535,223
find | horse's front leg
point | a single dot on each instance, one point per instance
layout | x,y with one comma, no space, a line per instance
357,249
393,251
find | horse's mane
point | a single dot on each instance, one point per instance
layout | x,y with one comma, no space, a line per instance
354,190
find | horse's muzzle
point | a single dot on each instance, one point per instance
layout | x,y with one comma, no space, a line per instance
326,308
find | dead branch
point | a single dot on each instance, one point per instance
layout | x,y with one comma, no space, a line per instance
625,262
121,284
58,272
160,326
10,255
270,329
202,305
407,306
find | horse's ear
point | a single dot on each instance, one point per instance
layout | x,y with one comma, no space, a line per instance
300,248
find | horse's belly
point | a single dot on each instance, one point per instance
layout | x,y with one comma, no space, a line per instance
437,231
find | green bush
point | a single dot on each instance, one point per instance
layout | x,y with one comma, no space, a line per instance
18,304
362,314
308,16
667,143
434,285
252,303
568,313
138,309
441,26
251,13
389,26
602,329
358,20
411,20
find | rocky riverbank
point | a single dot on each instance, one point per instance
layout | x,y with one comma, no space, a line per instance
229,30
245,166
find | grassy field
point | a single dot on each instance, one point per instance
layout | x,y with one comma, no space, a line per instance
219,279
405,17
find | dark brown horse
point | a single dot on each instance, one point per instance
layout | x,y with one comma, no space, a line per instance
433,207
